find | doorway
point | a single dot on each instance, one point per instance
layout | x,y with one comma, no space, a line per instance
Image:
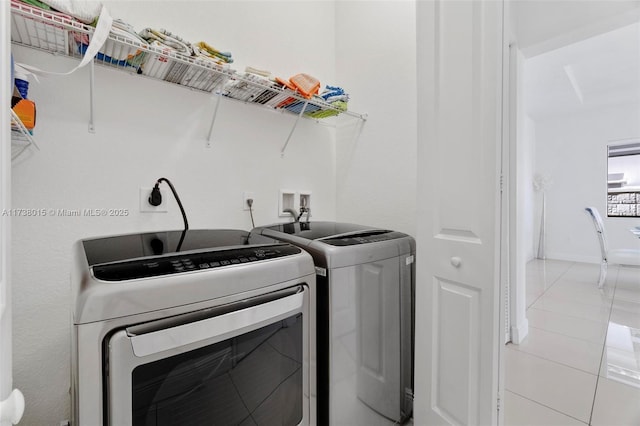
576,91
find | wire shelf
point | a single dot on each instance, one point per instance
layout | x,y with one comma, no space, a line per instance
60,34
21,138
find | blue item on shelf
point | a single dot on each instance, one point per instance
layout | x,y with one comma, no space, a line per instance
108,59
296,107
22,86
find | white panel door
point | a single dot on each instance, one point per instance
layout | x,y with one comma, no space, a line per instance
460,48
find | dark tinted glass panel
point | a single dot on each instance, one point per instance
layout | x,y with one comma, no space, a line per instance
315,230
364,238
133,246
253,379
156,266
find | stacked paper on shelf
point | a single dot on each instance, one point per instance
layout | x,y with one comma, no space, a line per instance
157,65
196,70
256,86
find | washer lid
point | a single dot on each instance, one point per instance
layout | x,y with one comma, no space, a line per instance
332,233
320,230
135,246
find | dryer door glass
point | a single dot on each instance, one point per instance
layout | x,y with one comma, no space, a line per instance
254,378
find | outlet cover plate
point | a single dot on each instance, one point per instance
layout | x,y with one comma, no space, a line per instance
245,196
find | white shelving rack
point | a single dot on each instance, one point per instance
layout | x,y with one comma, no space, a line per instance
58,34
21,138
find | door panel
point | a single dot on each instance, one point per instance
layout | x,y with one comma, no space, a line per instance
456,324
457,311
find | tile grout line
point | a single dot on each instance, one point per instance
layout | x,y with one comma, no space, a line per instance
563,313
559,363
567,335
552,284
569,315
604,347
546,406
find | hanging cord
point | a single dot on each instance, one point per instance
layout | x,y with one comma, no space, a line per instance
155,199
250,204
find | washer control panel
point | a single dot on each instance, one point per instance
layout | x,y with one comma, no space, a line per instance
189,262
363,238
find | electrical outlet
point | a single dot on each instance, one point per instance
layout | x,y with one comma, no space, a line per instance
286,201
145,207
305,202
247,195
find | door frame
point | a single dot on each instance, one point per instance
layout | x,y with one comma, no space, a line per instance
6,378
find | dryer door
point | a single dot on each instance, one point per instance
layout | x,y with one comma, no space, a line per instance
242,362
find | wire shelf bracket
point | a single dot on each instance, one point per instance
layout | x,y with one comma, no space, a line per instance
215,110
295,124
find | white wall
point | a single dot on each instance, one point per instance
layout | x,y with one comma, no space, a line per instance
572,150
146,129
376,61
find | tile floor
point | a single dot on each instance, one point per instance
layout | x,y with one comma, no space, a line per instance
580,363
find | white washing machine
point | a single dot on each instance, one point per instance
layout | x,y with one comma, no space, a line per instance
365,304
200,327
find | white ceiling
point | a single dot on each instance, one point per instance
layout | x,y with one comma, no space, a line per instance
599,72
581,55
544,25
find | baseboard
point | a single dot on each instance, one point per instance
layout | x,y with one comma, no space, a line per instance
520,331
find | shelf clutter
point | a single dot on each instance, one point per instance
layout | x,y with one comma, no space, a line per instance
23,114
162,55
21,137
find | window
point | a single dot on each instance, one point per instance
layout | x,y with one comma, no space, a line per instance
623,179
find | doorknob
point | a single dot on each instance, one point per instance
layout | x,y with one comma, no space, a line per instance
12,408
456,261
